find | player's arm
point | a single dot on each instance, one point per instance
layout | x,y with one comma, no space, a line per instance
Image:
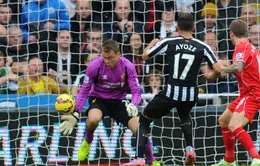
135,90
70,120
154,48
215,73
211,58
237,66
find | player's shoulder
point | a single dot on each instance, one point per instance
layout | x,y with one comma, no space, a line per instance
126,62
172,39
245,44
200,43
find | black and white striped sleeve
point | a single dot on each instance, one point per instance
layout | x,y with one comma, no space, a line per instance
210,56
159,48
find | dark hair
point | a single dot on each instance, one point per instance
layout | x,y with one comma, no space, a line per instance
185,21
239,28
6,5
110,45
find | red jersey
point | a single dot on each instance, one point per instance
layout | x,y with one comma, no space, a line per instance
249,78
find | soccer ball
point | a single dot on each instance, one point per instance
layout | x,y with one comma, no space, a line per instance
65,104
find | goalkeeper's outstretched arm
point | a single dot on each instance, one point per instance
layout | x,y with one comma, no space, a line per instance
70,120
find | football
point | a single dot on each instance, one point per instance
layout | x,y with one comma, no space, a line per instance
65,104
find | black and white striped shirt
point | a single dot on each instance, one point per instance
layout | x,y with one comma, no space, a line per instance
184,58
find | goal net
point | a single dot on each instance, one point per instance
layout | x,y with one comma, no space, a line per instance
60,38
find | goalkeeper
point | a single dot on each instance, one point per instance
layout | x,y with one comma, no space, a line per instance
106,83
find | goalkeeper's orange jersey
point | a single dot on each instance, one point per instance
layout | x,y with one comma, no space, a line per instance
249,78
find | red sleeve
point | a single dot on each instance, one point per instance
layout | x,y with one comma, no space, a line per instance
242,53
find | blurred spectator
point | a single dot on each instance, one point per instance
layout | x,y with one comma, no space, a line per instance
154,10
34,82
254,36
210,38
70,5
226,83
134,55
168,24
248,14
16,8
212,24
41,18
90,57
94,40
83,21
191,6
119,26
6,75
2,34
229,10
5,15
64,63
154,82
80,77
14,48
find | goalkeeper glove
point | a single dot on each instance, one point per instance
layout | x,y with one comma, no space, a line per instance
131,109
69,122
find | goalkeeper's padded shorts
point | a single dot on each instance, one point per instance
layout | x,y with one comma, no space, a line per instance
115,109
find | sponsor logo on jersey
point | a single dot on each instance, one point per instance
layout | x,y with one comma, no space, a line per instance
104,77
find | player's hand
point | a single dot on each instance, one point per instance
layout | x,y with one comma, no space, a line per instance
131,109
9,61
69,122
208,77
32,39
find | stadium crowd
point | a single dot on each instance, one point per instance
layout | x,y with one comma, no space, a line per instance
46,45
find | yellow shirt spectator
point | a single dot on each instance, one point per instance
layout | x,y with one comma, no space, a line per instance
34,82
45,85
37,87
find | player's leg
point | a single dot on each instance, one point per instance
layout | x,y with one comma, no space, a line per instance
183,109
95,113
94,117
156,108
229,141
120,115
243,114
133,125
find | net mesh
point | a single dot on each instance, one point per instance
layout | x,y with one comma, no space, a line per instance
66,35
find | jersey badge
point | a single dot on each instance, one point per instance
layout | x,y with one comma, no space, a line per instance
122,77
86,79
239,55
